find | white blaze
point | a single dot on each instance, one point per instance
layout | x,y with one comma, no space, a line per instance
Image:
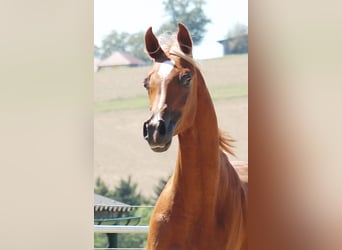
164,70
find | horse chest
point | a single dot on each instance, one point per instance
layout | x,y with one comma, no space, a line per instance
171,229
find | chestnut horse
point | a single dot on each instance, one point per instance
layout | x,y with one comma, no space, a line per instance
204,204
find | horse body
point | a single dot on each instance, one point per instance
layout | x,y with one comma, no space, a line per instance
204,204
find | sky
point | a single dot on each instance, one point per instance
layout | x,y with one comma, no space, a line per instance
133,16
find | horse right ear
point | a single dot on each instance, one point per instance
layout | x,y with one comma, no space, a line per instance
153,48
184,39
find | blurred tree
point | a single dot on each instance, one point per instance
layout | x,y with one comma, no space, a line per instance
97,52
136,46
100,187
159,188
115,41
236,41
238,30
126,192
188,12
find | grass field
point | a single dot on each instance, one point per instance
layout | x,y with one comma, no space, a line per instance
121,108
141,102
124,82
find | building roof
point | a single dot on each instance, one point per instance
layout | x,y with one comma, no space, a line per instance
120,58
102,203
232,38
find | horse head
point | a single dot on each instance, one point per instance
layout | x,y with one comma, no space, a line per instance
171,88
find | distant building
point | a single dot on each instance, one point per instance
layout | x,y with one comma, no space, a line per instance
235,45
120,58
107,210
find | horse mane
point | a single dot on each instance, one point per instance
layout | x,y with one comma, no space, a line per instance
170,46
226,142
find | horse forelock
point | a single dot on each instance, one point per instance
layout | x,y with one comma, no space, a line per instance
166,41
169,44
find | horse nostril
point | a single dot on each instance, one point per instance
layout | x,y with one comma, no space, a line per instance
145,130
161,128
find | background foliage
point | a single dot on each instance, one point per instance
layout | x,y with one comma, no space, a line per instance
188,12
127,192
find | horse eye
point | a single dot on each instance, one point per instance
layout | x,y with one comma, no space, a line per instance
185,79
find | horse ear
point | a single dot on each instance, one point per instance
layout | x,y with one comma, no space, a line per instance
153,48
184,39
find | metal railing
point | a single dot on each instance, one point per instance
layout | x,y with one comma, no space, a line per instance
120,229
116,229
112,227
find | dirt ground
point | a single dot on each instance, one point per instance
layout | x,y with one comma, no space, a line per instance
120,150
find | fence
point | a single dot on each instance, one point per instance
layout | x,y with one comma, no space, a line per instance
108,229
120,229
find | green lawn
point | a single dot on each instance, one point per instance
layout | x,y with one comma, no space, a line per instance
138,102
141,102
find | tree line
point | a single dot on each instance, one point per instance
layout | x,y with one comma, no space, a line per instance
188,12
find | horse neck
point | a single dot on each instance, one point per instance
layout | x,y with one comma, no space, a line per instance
197,168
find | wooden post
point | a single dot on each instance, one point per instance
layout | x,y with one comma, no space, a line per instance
112,240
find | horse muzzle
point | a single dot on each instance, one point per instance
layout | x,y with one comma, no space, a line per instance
158,133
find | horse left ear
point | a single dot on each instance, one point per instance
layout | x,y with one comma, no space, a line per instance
153,48
184,39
